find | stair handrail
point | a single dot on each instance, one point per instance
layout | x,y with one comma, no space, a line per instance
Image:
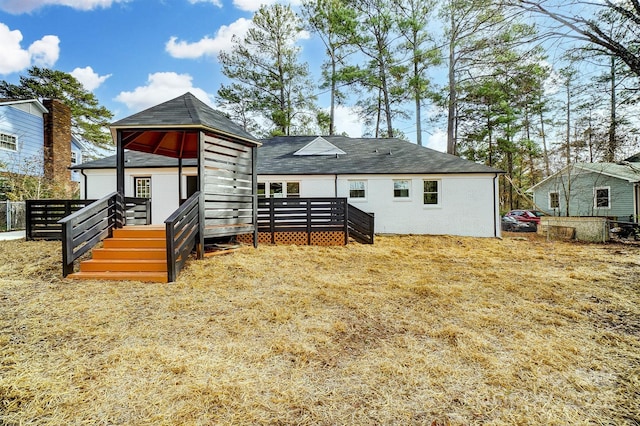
85,228
183,230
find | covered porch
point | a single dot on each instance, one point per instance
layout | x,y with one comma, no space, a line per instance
223,202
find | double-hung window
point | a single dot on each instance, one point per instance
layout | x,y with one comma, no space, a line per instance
431,192
554,200
401,189
602,197
358,189
8,142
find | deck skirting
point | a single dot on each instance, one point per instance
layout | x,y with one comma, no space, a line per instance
319,238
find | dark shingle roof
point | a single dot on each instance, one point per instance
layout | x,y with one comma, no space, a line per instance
136,159
363,156
183,111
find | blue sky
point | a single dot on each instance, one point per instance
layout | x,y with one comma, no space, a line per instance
133,54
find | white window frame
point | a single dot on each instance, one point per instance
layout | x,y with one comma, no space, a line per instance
438,193
284,184
8,136
135,186
595,197
293,194
398,197
364,188
551,206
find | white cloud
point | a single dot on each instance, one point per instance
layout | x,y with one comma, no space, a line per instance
24,6
208,46
161,87
213,2
254,5
438,141
348,121
14,58
45,52
90,79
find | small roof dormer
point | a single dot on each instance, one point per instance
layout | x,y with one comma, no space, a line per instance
319,146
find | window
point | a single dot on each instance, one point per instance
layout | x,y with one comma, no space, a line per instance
431,196
262,189
357,189
554,200
74,157
278,189
401,189
293,189
275,190
8,142
601,198
142,187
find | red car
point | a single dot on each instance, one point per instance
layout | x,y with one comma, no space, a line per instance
524,216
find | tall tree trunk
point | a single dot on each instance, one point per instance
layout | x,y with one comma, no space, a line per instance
611,146
332,107
416,74
568,147
547,168
451,117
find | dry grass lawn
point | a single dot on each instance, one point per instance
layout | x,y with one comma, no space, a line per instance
411,330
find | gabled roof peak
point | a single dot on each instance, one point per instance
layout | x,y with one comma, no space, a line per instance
319,146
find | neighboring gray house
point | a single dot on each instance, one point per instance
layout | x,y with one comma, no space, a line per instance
409,188
592,189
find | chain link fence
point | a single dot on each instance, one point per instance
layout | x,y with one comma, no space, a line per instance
12,215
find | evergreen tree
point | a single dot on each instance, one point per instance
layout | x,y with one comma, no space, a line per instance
89,120
266,73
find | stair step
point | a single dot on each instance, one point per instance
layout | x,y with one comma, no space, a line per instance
154,277
135,243
116,265
140,232
129,253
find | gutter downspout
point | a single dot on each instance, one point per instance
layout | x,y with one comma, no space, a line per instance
86,185
636,202
335,186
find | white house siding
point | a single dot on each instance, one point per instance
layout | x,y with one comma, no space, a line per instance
466,204
164,187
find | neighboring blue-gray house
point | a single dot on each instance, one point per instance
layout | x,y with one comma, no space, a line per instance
592,189
22,136
35,139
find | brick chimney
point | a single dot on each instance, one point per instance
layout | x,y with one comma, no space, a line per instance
57,143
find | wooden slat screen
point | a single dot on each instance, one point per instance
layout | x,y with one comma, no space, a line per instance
227,186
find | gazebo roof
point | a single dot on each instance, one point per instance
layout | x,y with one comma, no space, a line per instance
171,128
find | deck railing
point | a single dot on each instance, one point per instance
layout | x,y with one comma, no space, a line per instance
302,215
85,228
183,229
361,225
43,216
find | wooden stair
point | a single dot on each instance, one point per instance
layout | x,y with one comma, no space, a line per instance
134,253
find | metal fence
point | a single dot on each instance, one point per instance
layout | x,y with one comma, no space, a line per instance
12,215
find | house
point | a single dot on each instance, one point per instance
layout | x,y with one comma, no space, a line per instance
409,188
592,189
35,139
